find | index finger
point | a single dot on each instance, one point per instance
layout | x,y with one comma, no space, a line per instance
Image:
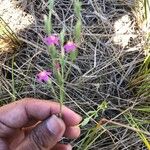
17,114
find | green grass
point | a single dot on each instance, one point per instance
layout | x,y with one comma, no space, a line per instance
138,125
143,75
7,37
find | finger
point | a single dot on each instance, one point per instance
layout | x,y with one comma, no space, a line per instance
62,147
27,130
45,135
3,144
31,122
72,132
18,114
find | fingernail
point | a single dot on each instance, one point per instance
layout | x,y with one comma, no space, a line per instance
53,125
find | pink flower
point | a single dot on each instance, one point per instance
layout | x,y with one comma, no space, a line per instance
44,76
70,47
51,40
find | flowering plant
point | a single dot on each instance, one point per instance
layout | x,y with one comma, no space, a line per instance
60,53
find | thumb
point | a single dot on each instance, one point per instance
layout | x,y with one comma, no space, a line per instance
45,135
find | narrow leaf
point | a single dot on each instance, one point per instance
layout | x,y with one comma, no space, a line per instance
85,122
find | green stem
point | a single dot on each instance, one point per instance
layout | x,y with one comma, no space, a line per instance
52,88
62,94
67,73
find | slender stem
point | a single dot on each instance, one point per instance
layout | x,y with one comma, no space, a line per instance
13,81
61,99
126,126
52,88
68,71
62,86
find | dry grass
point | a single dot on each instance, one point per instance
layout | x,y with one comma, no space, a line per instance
109,56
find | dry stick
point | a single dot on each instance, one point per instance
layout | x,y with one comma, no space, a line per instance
125,126
32,44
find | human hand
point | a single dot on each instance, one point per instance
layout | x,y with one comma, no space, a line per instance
31,124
